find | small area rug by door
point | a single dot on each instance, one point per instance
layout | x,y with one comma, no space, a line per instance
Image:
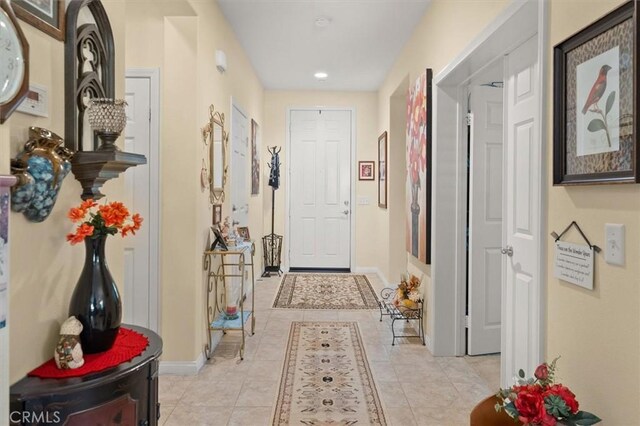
325,291
326,378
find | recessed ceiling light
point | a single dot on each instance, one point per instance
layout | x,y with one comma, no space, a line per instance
322,21
321,75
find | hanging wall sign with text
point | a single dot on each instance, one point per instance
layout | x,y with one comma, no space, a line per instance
574,263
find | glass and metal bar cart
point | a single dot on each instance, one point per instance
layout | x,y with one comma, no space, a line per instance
221,277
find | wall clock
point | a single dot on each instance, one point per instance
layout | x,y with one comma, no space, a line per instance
14,62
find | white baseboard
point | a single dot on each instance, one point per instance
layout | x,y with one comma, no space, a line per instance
427,342
189,368
182,368
371,270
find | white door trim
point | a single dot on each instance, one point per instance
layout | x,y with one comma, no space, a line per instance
519,22
287,195
235,106
155,187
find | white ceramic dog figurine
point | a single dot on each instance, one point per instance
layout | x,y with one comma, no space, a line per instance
68,353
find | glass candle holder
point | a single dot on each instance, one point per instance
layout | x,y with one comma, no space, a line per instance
231,312
107,118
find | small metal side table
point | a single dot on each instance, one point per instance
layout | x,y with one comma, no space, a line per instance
396,313
233,264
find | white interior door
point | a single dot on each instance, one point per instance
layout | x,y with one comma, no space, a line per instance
485,221
521,316
140,272
320,177
239,167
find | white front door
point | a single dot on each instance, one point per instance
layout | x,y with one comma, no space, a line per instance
239,167
522,345
140,272
320,194
485,220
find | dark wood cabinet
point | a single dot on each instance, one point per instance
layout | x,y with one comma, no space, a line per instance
125,395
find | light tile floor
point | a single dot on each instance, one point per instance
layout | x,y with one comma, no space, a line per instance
416,388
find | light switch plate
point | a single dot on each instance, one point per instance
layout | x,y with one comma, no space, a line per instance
364,201
36,102
614,243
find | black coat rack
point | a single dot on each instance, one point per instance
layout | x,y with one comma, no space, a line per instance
272,243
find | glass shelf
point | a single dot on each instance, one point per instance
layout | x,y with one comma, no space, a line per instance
222,323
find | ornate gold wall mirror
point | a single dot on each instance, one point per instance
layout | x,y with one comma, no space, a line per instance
218,139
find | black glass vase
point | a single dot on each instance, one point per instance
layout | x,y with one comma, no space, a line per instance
95,301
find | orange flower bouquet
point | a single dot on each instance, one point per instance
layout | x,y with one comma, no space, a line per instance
102,220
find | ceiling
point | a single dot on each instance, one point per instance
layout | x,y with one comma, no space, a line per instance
356,48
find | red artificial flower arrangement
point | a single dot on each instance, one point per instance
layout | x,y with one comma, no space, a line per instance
539,401
101,220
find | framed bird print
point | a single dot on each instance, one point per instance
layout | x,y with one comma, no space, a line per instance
595,102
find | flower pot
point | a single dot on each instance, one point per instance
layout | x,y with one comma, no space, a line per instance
485,414
96,301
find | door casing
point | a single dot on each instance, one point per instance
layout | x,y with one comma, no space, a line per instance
519,22
287,221
235,109
155,187
484,338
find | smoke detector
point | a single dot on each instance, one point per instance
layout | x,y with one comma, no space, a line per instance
322,21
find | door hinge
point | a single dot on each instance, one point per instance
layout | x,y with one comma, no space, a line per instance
469,118
466,321
149,115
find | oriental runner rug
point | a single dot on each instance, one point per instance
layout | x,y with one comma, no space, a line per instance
326,379
325,291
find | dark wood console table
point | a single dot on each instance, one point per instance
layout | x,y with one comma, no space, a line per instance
123,395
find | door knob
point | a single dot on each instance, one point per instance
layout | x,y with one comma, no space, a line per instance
508,250
346,212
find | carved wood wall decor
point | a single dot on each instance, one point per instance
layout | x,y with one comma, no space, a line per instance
89,73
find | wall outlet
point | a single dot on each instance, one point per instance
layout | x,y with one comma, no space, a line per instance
614,243
36,102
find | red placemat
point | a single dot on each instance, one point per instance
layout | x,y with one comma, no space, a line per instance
128,345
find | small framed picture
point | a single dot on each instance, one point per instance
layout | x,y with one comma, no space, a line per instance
46,15
217,213
218,240
366,170
595,102
243,232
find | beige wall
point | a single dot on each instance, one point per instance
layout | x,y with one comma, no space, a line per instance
597,332
370,243
180,39
446,28
45,268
